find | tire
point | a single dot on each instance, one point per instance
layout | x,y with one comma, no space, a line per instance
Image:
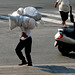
63,49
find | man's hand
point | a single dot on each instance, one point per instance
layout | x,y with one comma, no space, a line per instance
55,4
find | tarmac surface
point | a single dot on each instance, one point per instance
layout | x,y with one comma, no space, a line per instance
46,58
39,69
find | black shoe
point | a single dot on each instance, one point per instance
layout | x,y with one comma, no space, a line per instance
30,65
22,63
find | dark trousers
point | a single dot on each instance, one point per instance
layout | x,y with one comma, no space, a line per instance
64,15
27,45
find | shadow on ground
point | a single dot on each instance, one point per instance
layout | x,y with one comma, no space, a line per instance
70,55
56,69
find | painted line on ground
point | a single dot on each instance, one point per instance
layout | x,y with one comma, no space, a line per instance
51,15
55,21
16,66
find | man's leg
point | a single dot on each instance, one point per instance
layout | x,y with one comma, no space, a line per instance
28,50
18,49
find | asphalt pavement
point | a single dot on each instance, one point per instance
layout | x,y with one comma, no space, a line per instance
47,60
39,69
